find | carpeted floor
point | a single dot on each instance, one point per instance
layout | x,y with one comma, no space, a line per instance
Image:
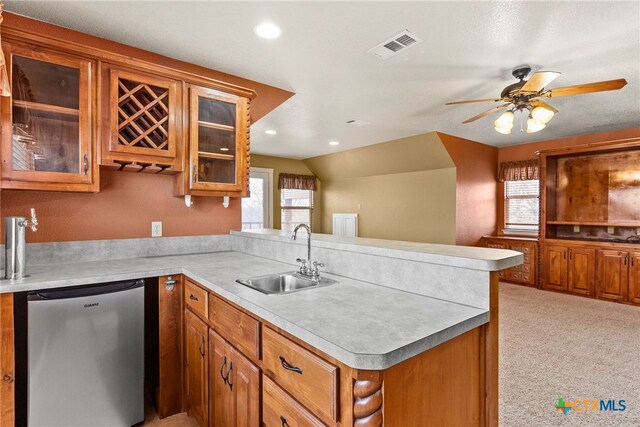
554,345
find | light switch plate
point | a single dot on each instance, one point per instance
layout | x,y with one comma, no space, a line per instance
156,228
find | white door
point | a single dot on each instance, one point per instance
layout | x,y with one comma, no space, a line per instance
257,211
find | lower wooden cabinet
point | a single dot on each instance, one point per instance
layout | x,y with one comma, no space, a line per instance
613,274
197,368
234,386
634,278
525,273
554,267
280,409
581,271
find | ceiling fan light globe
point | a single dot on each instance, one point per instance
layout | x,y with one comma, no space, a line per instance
534,126
504,131
505,120
542,115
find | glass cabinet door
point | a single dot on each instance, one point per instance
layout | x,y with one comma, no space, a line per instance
217,138
49,136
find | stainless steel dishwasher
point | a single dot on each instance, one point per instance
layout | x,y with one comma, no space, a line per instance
86,356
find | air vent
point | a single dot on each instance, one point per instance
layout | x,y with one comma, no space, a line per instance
357,122
395,45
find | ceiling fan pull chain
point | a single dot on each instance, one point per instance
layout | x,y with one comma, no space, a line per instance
522,120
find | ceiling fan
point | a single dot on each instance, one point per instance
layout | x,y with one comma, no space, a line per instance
523,96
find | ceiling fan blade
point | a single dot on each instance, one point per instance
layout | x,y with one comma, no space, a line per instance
473,101
539,80
537,103
587,88
486,113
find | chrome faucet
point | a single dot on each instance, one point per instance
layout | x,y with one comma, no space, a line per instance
307,269
14,244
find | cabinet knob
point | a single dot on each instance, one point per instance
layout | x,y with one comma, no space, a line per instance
7,378
85,164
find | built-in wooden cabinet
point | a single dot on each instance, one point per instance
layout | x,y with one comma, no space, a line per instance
590,219
196,368
218,144
234,386
48,130
142,128
525,273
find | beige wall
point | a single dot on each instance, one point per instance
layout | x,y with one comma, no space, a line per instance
414,206
282,165
406,189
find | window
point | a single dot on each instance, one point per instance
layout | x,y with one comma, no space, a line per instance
521,205
297,206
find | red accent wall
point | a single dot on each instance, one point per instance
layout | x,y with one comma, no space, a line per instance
123,209
476,175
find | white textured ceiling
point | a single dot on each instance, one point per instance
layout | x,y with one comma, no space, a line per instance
468,52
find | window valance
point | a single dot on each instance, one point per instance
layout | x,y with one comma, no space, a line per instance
5,85
521,170
296,182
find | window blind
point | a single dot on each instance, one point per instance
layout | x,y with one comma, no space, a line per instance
522,204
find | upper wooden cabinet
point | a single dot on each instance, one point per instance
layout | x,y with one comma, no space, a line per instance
141,121
48,140
218,144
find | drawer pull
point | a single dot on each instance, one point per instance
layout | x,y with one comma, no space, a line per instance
228,376
201,347
224,363
288,367
284,422
193,297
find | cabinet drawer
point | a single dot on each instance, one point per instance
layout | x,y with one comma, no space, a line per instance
308,378
278,408
235,326
196,298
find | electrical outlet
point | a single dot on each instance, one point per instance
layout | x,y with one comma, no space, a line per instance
576,228
359,206
156,228
638,231
611,230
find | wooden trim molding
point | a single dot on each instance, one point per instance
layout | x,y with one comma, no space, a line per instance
7,361
367,403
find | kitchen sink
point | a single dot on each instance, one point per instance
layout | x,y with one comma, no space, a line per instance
283,283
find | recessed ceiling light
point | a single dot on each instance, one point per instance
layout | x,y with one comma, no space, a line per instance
270,132
334,143
268,30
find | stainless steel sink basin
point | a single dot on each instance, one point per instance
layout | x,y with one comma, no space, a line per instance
283,283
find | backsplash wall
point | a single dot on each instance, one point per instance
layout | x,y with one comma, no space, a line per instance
123,209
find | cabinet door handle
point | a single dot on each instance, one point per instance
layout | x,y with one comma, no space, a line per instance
229,376
193,297
565,255
283,420
195,174
625,260
85,164
288,367
224,363
201,347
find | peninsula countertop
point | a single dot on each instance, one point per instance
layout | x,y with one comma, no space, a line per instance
363,325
